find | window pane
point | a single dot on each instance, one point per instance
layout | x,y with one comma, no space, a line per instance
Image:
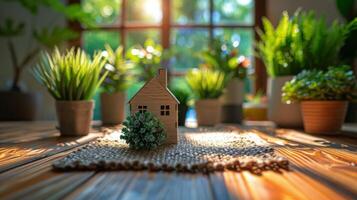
241,38
139,37
95,40
144,11
186,43
190,11
103,11
233,12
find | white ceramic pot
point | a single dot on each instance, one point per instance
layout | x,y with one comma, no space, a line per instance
284,115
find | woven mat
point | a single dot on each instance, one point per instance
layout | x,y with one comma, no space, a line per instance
198,150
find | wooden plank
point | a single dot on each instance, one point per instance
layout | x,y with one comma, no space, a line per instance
15,155
333,167
272,185
321,168
145,185
37,180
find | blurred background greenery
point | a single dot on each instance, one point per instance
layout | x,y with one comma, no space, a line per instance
233,22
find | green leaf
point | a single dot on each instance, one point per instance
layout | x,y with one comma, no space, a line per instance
70,76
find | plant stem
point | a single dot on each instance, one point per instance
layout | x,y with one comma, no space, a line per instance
15,66
18,68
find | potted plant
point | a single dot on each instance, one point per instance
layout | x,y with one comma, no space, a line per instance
113,97
323,96
72,79
147,59
280,49
207,85
224,57
331,45
16,103
297,43
183,95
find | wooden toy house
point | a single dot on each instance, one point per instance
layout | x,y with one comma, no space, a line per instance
156,98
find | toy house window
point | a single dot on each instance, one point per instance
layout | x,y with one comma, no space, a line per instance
165,110
142,109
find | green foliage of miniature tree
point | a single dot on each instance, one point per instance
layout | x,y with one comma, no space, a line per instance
338,83
143,131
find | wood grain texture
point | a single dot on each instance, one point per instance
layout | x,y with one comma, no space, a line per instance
321,168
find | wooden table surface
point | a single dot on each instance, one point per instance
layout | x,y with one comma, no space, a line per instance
321,168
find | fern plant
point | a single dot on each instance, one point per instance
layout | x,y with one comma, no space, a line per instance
281,48
321,42
301,42
206,83
70,76
119,71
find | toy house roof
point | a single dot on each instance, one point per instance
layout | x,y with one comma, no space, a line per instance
155,90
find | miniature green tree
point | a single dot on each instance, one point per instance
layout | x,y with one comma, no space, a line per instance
143,131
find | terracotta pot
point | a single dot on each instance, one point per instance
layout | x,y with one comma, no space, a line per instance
19,106
323,117
182,111
232,100
74,117
208,112
112,107
284,115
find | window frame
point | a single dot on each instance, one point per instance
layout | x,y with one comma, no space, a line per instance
142,108
167,26
165,110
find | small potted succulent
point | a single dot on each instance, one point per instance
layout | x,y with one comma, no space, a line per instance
143,131
324,96
113,97
72,79
207,85
224,57
183,96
